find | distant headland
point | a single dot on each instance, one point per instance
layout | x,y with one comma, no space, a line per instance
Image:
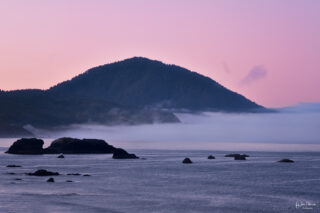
133,91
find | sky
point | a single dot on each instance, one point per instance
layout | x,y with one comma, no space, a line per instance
265,50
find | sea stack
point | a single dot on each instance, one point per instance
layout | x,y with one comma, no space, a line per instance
78,146
28,146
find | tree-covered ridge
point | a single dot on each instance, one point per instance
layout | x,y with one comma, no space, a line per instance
133,91
146,83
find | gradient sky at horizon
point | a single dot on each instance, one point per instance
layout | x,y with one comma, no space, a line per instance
265,50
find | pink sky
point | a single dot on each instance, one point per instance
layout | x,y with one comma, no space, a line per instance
277,41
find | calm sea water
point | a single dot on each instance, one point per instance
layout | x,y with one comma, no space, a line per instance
161,183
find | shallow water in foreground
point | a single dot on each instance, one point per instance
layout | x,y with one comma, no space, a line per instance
161,183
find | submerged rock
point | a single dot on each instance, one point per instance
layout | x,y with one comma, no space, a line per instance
69,181
78,146
285,160
17,179
43,172
86,175
187,160
60,156
13,166
10,173
122,154
28,146
236,155
74,174
51,180
211,157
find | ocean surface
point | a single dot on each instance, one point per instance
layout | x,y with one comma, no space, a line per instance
161,183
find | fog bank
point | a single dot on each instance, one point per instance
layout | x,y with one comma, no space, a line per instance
290,129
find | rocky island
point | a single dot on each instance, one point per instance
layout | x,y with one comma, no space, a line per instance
34,146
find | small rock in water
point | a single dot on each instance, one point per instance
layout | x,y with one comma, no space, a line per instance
17,179
285,160
61,156
187,160
240,157
43,172
86,175
51,180
75,174
13,166
10,173
211,157
69,181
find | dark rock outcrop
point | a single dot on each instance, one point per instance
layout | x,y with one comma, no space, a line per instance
78,146
30,146
122,154
13,166
61,145
210,157
187,161
285,160
51,180
43,172
237,156
86,175
240,157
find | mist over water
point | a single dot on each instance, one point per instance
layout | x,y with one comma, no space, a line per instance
289,129
161,181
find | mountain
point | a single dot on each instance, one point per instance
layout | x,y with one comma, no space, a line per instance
134,91
142,82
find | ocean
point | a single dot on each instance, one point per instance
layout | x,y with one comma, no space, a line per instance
161,183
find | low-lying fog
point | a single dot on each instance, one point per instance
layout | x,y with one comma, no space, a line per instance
291,129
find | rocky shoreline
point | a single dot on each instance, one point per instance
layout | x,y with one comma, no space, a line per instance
66,145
